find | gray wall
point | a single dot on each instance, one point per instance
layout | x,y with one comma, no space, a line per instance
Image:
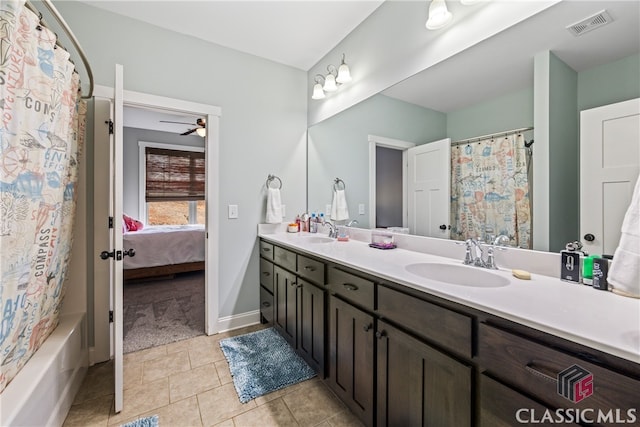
262,128
131,166
339,147
388,187
609,83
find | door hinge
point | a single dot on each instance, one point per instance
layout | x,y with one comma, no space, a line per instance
110,123
110,316
110,222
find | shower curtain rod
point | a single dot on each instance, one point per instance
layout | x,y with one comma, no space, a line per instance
492,135
71,36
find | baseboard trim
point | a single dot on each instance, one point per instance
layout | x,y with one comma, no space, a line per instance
236,321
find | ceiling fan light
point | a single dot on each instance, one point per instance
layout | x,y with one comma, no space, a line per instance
344,74
439,15
318,93
201,132
330,83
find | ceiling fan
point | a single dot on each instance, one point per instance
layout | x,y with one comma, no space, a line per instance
200,128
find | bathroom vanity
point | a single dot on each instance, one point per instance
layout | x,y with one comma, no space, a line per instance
401,348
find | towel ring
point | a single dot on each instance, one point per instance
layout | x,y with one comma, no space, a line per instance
272,178
336,184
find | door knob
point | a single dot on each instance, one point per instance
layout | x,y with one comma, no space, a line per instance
443,227
131,252
107,254
589,237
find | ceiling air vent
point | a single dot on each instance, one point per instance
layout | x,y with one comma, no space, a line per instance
591,23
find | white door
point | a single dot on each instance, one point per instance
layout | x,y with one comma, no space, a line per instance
115,192
428,188
102,303
609,167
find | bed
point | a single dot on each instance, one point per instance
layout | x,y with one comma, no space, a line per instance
164,250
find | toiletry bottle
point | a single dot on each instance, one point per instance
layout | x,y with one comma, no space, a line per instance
587,269
570,264
313,224
298,222
600,273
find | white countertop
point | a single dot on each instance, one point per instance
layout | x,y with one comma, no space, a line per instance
579,313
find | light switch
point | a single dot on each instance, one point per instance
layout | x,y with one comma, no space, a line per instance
361,208
233,211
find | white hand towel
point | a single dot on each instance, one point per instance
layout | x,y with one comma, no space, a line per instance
339,208
624,275
274,206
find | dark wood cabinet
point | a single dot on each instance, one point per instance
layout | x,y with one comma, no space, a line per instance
351,356
501,406
418,385
311,325
398,356
285,304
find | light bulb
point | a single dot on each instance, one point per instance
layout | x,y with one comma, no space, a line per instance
344,75
439,15
330,83
318,93
201,132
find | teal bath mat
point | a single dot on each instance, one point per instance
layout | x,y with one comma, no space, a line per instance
262,362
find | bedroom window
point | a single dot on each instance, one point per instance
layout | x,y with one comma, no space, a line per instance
174,186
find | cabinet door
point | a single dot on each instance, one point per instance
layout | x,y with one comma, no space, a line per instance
285,304
418,385
351,369
311,324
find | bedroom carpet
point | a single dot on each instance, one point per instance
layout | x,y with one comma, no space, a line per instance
162,311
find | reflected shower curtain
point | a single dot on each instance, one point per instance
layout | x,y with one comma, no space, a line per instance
41,133
490,190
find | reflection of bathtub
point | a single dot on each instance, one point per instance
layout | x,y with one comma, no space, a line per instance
42,392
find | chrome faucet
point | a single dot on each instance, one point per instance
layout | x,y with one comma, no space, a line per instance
333,230
352,222
474,252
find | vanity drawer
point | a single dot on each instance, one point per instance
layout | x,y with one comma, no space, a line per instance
284,258
535,368
351,287
311,269
448,329
266,305
266,250
266,274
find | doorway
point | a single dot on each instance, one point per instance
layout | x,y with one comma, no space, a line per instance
103,348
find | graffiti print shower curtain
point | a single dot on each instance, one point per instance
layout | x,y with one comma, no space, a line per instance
41,134
490,190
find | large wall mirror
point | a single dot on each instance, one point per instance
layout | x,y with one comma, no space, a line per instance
490,88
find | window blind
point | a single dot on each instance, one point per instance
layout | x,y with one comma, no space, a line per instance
174,175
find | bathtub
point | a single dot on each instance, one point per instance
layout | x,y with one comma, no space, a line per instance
42,392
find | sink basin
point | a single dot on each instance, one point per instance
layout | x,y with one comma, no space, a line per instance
460,275
318,239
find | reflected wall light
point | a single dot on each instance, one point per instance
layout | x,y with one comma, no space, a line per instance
439,15
330,82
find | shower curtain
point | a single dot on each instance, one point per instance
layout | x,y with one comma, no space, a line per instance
490,190
41,135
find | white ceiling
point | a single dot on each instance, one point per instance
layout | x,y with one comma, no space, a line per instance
292,32
300,32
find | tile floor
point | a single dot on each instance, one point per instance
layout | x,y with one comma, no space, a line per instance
187,383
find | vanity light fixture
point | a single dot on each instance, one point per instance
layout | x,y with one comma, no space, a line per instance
318,93
201,132
331,81
439,15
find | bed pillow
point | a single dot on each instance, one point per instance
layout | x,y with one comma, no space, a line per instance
131,224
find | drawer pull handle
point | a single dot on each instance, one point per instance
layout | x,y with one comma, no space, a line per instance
266,304
381,334
530,367
293,283
266,249
310,268
266,273
367,327
350,287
